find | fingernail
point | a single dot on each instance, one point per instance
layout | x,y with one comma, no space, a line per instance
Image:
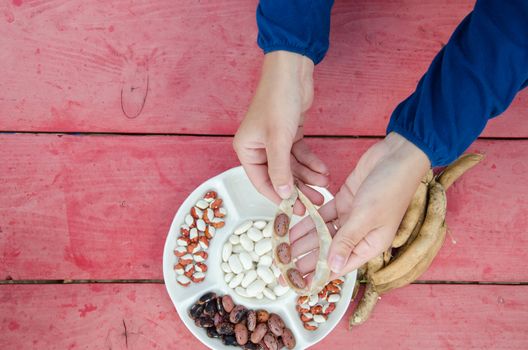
284,191
337,263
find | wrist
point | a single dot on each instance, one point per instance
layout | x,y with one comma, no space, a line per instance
289,65
407,153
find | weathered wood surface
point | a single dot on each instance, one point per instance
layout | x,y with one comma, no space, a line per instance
94,316
99,207
191,66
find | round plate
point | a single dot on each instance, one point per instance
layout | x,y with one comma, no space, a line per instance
241,201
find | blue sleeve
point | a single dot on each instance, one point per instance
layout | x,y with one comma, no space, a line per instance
472,79
300,26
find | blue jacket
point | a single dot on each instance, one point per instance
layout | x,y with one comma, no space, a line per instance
472,79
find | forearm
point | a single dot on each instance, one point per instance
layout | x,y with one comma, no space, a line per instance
473,78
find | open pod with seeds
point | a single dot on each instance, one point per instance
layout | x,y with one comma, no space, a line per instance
282,247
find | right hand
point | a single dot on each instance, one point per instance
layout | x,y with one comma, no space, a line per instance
269,142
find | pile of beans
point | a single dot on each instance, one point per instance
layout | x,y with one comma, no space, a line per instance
248,263
237,325
314,310
200,226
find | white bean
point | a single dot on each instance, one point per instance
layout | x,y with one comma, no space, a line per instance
234,239
260,224
202,204
235,264
268,293
265,260
246,243
254,257
276,271
255,288
200,225
189,220
251,275
235,282
254,234
260,296
241,291
314,298
227,251
228,277
263,246
245,259
280,290
268,230
225,267
265,274
319,318
237,249
243,227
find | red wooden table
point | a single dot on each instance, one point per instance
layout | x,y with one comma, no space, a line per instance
111,112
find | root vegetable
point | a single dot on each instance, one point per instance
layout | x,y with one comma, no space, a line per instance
426,238
457,168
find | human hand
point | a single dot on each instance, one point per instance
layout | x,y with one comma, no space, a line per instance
269,142
367,209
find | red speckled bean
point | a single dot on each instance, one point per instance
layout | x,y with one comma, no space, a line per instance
288,339
259,333
227,303
271,341
296,278
281,224
284,253
275,324
241,334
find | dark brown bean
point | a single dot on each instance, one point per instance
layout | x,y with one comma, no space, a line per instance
251,346
212,333
218,319
251,320
196,311
205,322
219,306
281,224
260,331
229,340
275,324
262,316
206,297
280,343
288,338
296,278
283,253
225,328
210,308
271,341
237,314
227,303
241,333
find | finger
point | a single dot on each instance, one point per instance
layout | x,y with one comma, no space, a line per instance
309,242
308,262
371,246
279,152
258,175
313,195
305,156
307,175
348,237
328,212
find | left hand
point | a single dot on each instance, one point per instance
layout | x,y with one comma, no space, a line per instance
367,209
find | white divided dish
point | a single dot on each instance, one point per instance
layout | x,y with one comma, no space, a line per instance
242,202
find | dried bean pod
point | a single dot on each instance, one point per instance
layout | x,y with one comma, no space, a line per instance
457,168
322,270
365,306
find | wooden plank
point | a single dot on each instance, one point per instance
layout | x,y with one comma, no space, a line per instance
74,207
417,317
137,67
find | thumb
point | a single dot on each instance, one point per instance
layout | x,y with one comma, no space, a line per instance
345,240
279,169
